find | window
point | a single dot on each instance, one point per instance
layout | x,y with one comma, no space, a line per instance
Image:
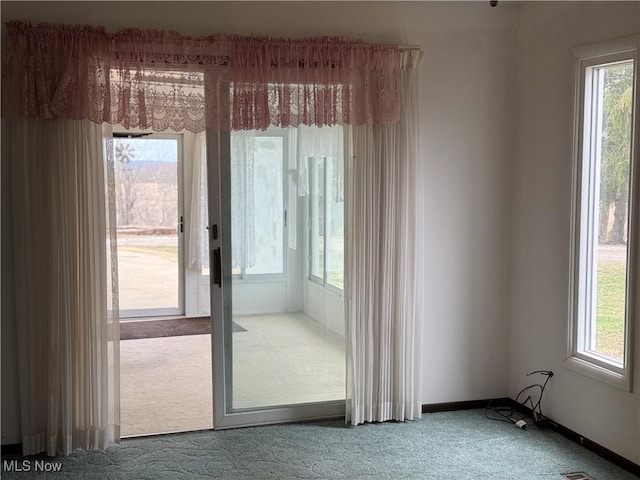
150,223
605,203
326,213
257,197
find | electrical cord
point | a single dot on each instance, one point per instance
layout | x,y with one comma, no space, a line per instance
507,414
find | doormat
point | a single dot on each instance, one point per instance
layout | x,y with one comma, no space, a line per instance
174,327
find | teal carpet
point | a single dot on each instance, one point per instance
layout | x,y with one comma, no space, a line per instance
442,446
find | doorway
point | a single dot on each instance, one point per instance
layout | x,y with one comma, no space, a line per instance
274,285
165,348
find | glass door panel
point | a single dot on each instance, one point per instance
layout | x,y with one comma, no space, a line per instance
281,334
147,189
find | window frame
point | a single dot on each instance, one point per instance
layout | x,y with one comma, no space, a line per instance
313,180
322,281
583,200
243,276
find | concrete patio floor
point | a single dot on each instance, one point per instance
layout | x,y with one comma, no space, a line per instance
147,279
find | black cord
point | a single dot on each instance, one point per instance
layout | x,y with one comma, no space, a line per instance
536,408
506,414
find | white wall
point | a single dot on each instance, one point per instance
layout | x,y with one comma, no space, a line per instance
542,192
467,133
468,126
256,298
325,306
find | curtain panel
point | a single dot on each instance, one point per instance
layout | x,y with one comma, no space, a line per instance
65,284
382,251
155,79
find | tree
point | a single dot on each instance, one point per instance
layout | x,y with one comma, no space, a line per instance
616,151
126,174
147,186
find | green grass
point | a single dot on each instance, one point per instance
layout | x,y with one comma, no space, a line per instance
610,310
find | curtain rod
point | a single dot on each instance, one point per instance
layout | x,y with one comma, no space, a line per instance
129,135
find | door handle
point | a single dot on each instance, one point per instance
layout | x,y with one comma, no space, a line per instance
217,267
214,231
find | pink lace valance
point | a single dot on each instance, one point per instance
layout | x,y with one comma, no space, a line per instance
159,80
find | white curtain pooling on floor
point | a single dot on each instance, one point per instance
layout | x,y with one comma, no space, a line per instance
384,332
67,333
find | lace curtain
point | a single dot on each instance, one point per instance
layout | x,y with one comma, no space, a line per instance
243,231
155,80
199,235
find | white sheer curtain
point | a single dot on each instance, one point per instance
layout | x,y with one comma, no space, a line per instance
243,228
384,330
198,238
320,142
67,328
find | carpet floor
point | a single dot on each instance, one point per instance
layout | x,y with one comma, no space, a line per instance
165,385
442,446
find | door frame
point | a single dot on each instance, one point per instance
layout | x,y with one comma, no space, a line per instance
136,313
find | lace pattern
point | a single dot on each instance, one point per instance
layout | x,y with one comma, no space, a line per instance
162,80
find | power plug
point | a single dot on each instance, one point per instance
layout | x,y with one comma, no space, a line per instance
521,424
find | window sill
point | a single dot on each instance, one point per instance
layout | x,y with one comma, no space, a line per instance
259,278
599,373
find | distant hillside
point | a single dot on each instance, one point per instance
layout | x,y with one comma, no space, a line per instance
147,160
149,172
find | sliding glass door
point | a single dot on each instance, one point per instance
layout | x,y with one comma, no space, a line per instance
279,347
